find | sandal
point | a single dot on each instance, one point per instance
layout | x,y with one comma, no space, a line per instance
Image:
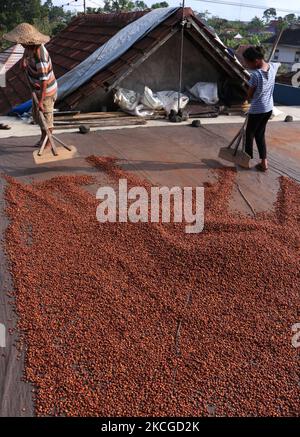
260,167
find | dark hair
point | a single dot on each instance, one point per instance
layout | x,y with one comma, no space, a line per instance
253,53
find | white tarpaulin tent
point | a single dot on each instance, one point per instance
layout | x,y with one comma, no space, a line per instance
111,50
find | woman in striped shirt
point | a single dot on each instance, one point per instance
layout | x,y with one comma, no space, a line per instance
261,87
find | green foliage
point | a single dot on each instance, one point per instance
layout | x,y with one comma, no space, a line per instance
118,5
46,17
159,5
256,23
126,5
51,19
269,14
204,15
140,5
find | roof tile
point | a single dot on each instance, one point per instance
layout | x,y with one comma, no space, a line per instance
81,38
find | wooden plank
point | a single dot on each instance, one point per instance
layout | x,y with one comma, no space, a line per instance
107,123
65,113
96,121
93,115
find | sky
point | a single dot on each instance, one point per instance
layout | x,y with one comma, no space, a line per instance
224,11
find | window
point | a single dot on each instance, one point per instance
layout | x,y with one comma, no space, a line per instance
297,56
276,55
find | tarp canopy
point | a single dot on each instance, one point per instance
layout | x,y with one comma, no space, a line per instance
111,50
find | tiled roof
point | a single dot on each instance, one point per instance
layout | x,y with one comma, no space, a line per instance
107,77
72,45
88,32
289,37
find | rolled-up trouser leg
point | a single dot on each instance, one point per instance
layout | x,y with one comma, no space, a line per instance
48,112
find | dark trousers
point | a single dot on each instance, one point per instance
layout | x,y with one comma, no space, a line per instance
256,128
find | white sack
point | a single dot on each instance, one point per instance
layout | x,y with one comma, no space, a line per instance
276,112
126,99
205,91
141,111
169,100
151,100
113,49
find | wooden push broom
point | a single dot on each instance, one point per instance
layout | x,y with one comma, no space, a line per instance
54,153
45,155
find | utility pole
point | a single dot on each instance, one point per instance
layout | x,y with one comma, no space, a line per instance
84,6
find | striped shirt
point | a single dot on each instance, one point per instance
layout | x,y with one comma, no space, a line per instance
39,68
263,82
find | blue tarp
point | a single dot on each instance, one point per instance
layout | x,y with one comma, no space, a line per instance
111,50
24,107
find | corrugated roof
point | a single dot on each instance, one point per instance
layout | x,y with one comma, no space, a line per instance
11,56
88,32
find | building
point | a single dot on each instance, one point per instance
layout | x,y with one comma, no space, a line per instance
288,49
152,59
10,56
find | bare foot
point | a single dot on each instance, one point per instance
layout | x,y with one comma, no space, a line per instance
261,167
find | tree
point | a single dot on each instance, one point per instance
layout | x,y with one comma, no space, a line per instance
160,5
291,19
54,13
45,17
256,24
10,13
139,5
118,5
32,11
204,15
90,10
269,14
219,24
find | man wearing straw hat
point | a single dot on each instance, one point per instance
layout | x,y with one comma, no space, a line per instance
37,65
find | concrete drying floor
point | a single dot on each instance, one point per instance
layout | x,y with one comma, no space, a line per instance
175,155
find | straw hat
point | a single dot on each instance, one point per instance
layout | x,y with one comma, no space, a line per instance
26,34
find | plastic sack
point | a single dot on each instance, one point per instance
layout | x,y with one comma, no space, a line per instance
112,50
169,100
276,112
141,111
205,91
126,99
151,100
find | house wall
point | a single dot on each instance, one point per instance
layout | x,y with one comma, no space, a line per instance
160,72
287,55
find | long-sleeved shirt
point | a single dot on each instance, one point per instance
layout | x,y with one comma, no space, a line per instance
39,68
